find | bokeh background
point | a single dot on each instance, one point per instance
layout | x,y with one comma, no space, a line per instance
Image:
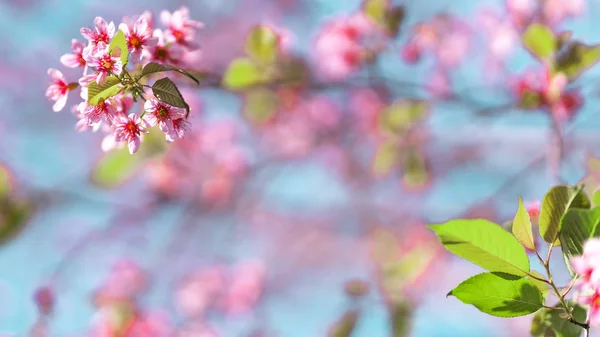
309,224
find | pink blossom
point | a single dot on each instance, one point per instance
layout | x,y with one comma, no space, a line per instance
162,51
588,265
181,29
246,288
180,127
521,11
163,114
593,301
102,33
94,113
44,299
558,10
147,15
130,129
125,281
75,59
106,62
533,209
199,290
58,91
139,36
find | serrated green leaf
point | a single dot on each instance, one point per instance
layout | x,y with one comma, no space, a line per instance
120,41
345,325
577,58
500,294
400,115
262,44
576,227
540,41
153,68
386,158
260,105
166,91
550,323
556,202
241,74
110,88
485,244
521,227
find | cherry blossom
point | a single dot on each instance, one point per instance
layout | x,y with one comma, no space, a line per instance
130,129
58,91
75,59
181,29
163,114
102,33
139,36
106,62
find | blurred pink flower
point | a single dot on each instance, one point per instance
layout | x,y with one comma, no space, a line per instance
93,113
556,11
521,11
248,278
58,91
588,267
181,29
533,209
163,52
130,129
198,291
125,281
44,299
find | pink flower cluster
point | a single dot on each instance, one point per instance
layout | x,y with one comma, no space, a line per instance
551,92
447,39
344,44
552,12
587,267
98,61
233,291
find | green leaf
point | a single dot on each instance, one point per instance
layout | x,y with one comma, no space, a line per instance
540,41
393,19
576,58
345,325
241,74
166,91
110,88
400,115
542,286
375,9
414,170
14,216
550,323
401,317
386,158
120,41
153,67
500,294
596,198
576,227
262,44
556,202
6,185
485,244
521,227
260,105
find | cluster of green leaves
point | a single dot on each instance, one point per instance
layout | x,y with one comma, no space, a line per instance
15,210
560,53
163,89
395,122
263,66
510,288
387,17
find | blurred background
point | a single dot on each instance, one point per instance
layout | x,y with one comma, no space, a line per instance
302,220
